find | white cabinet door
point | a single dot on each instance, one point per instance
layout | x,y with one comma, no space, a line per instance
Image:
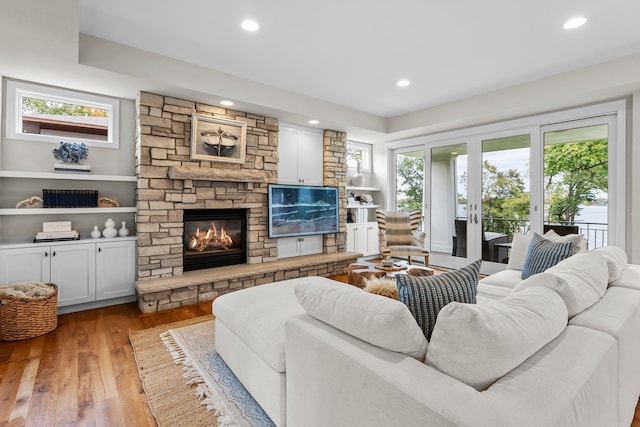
351,237
115,269
288,155
23,265
311,245
373,243
300,156
310,158
73,270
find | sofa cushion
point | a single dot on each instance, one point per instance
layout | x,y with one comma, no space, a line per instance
378,320
629,278
616,259
426,295
506,278
543,254
479,343
518,253
580,280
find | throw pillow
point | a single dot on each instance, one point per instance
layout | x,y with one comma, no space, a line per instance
543,254
378,321
381,286
425,296
480,343
518,252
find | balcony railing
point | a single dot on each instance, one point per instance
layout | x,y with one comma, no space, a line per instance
595,232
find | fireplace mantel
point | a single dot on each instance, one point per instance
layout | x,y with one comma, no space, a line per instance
219,174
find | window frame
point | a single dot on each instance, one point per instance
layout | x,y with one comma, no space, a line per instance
365,164
17,90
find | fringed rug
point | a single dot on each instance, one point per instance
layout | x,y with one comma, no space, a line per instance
204,392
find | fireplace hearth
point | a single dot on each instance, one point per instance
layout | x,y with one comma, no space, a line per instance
214,238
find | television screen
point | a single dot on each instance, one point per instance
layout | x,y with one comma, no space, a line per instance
296,210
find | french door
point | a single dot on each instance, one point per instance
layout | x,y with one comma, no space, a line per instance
480,187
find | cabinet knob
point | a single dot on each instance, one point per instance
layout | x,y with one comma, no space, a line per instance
53,253
99,249
46,254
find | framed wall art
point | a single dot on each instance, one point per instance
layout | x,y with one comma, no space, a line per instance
217,140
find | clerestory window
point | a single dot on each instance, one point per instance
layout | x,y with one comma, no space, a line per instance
43,113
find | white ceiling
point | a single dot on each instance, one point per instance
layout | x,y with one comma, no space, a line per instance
352,52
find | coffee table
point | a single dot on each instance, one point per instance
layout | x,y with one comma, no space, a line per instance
360,270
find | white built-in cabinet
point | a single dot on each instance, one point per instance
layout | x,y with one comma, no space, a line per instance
298,246
85,271
363,238
300,163
300,156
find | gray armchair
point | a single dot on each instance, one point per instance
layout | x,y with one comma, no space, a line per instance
399,235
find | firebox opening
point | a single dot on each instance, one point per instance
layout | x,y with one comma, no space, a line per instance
214,238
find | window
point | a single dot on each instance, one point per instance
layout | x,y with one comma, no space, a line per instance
47,114
357,151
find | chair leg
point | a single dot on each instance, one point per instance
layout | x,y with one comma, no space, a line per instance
409,259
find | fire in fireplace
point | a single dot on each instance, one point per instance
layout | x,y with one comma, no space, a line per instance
214,238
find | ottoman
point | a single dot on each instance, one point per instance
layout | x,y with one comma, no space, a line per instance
250,339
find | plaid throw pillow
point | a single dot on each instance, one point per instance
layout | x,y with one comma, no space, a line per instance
543,254
425,296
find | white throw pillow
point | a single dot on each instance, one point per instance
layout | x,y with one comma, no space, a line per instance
479,343
616,259
580,280
518,253
372,318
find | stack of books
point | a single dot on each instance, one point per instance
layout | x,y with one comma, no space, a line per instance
55,231
71,167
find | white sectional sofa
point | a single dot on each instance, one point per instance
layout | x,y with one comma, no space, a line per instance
573,338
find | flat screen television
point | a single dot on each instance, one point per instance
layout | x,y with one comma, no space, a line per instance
301,210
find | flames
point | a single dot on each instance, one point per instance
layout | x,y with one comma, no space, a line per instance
210,239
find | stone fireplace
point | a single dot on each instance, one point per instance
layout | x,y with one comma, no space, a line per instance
170,184
213,238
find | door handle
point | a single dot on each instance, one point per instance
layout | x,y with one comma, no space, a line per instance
475,218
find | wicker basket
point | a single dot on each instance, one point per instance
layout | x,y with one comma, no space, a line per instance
23,318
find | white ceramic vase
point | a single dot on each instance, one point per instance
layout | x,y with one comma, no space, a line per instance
123,230
110,229
357,180
95,233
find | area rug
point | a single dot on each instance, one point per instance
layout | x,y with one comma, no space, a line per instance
187,383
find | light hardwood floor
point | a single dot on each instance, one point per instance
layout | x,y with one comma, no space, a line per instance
84,373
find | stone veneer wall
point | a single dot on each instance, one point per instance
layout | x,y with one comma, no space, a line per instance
163,128
163,136
335,174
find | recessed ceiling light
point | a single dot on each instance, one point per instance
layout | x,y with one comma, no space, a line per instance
574,23
227,103
403,83
313,122
250,25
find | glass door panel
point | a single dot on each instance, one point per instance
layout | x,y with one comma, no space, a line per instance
448,208
576,181
506,194
410,180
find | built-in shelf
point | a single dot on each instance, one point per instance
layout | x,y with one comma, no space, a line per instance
66,211
362,206
68,176
350,188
